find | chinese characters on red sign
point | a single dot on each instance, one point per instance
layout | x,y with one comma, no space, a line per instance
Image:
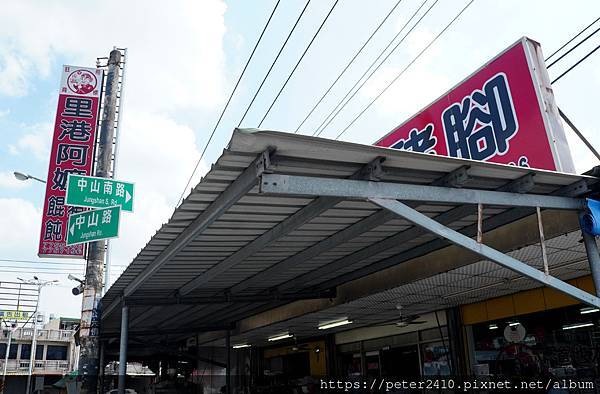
503,113
72,153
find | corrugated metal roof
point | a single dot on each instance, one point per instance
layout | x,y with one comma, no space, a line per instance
301,251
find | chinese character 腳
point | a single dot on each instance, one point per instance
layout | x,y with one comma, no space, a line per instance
76,153
418,140
95,186
77,130
59,177
108,187
120,192
92,219
481,126
56,206
78,107
53,230
106,216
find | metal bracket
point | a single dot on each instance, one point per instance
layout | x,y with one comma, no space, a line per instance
485,251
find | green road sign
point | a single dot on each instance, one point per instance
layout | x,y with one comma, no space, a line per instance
93,225
94,192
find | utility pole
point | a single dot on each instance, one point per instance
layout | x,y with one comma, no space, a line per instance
92,290
10,332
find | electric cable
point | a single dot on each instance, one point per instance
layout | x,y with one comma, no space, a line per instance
339,107
348,65
228,101
575,65
298,62
406,68
571,40
573,48
274,61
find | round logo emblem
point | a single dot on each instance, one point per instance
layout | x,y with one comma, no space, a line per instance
82,81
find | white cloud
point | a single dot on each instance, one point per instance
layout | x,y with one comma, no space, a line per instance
176,57
19,226
35,141
8,181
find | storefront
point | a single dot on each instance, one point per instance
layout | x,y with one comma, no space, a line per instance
556,338
419,349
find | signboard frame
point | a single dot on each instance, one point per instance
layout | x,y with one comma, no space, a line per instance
97,211
76,126
100,206
546,105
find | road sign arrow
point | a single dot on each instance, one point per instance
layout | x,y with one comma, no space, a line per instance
127,196
72,229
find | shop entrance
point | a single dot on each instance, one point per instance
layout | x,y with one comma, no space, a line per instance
401,361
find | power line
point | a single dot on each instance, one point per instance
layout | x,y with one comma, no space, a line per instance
59,263
405,68
341,105
298,63
573,48
576,64
274,61
228,101
348,65
572,39
36,268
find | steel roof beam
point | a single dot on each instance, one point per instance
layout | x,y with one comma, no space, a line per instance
371,171
228,298
508,216
455,178
520,185
353,189
237,189
485,251
169,331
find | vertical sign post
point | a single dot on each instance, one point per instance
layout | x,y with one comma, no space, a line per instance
72,153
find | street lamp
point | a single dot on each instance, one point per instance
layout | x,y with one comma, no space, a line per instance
23,177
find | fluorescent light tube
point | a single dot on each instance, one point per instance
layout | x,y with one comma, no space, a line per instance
326,326
579,325
280,337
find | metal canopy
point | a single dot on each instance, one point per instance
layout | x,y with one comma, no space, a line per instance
243,234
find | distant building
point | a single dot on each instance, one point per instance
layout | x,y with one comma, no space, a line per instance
55,352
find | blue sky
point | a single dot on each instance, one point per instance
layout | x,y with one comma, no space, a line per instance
185,58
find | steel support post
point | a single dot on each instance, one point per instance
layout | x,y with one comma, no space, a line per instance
228,368
593,256
123,349
92,290
485,251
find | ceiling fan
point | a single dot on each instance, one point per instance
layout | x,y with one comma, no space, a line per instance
404,320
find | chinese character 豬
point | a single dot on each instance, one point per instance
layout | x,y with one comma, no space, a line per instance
481,126
59,177
106,216
76,153
56,206
77,130
53,230
120,192
418,140
108,187
78,107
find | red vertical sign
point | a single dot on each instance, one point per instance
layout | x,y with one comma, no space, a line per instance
72,153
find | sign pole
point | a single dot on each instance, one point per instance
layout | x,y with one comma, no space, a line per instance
92,291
